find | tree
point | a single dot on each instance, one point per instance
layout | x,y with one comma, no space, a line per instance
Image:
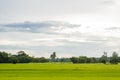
103,59
53,56
88,60
4,57
39,59
114,58
43,60
14,59
82,59
75,59
93,60
23,57
21,53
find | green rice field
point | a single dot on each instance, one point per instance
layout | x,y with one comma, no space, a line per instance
59,71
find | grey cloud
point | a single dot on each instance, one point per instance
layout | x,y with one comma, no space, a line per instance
96,39
107,2
39,27
113,28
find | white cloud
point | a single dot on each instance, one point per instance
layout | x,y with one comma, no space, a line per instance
89,32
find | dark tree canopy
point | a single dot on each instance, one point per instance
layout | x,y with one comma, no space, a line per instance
20,57
114,58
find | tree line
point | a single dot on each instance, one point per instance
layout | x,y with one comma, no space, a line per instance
114,59
22,57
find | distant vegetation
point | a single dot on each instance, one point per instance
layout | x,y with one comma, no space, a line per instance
22,57
114,59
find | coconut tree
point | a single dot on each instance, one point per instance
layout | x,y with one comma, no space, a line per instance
53,56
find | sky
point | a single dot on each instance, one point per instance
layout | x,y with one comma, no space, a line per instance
67,27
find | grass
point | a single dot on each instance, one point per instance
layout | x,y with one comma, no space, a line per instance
58,71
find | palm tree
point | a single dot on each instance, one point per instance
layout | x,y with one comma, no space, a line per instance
53,56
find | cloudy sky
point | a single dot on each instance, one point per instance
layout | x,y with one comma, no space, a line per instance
68,27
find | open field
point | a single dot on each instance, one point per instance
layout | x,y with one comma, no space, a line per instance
58,71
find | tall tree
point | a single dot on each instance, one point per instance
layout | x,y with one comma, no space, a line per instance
53,56
114,58
103,59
